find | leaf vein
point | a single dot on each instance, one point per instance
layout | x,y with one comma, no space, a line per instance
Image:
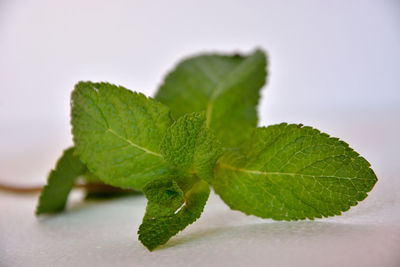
133,144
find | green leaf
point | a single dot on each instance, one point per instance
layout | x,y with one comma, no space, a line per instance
117,133
226,87
290,172
60,182
189,145
170,208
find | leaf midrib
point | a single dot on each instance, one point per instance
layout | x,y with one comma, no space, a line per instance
216,91
148,151
229,167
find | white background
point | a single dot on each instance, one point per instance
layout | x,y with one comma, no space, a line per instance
333,65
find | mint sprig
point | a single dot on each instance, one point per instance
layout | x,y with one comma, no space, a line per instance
203,133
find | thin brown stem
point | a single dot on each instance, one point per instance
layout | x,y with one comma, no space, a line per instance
20,189
37,189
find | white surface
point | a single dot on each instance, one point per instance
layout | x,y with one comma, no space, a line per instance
333,65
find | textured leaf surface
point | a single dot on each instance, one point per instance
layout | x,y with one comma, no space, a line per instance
290,172
60,182
170,208
189,145
226,87
117,133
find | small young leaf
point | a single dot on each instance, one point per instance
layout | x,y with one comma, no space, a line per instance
226,87
290,172
189,145
60,182
170,208
117,133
